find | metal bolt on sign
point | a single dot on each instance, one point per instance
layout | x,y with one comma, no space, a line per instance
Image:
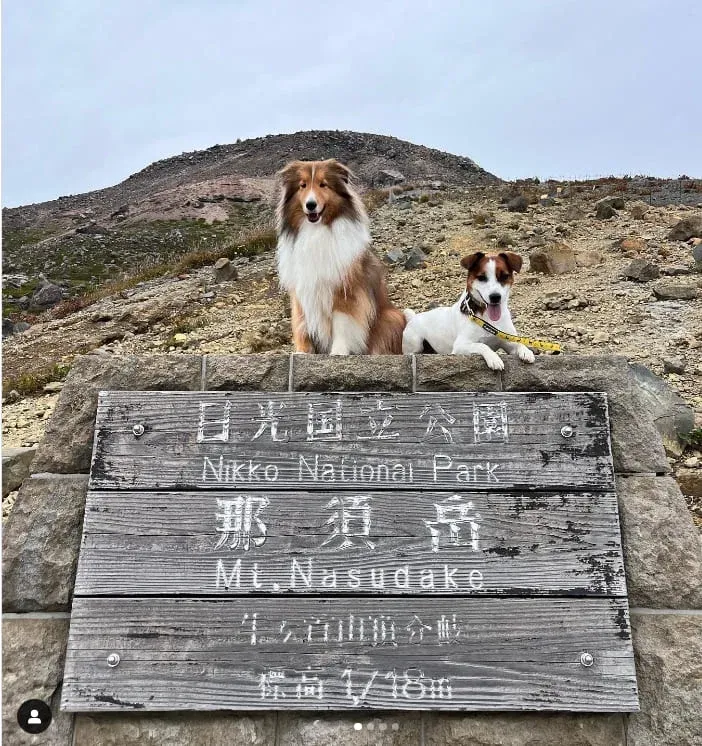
113,660
138,430
567,431
586,659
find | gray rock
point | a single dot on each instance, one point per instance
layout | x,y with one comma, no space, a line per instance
518,204
46,296
604,211
671,416
677,270
120,212
641,270
8,327
674,365
612,200
394,256
224,271
322,729
456,373
93,229
388,177
675,291
556,259
687,228
40,543
352,373
16,463
404,196
175,729
21,326
636,444
668,651
67,444
546,201
638,210
588,258
247,372
662,548
523,729
697,256
573,213
33,653
415,258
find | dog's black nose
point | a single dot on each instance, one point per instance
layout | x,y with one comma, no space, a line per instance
311,205
494,298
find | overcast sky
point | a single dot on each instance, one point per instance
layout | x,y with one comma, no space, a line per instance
95,90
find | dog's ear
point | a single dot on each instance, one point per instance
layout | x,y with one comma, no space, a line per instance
289,179
469,262
289,171
340,170
514,261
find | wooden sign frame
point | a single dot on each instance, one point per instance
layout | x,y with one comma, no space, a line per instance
451,551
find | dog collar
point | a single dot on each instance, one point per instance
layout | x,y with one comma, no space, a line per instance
537,344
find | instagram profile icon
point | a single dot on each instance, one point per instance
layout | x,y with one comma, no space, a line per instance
34,716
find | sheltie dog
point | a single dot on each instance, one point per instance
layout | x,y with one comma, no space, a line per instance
449,329
339,299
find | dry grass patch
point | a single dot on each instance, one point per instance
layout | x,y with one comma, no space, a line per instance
375,198
29,384
249,244
482,218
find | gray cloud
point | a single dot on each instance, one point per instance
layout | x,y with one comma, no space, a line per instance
93,91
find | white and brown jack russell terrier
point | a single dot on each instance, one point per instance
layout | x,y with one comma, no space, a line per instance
449,329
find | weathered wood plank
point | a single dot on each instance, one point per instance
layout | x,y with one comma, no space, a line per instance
457,441
378,543
349,551
446,654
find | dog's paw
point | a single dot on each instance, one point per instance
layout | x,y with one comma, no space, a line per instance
525,354
494,361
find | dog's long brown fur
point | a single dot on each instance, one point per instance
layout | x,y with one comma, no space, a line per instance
363,292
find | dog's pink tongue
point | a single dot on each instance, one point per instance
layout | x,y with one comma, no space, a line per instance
494,311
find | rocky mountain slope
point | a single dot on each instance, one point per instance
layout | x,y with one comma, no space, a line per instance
374,159
191,202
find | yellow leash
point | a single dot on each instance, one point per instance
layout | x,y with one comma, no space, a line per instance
537,344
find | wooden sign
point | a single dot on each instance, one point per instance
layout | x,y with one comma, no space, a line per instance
351,441
456,551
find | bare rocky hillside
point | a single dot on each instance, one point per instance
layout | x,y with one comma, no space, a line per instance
189,203
377,160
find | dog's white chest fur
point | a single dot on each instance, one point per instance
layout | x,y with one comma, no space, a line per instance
314,264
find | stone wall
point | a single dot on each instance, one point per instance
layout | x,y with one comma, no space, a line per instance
663,556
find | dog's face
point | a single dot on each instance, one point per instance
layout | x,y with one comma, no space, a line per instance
490,277
315,192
